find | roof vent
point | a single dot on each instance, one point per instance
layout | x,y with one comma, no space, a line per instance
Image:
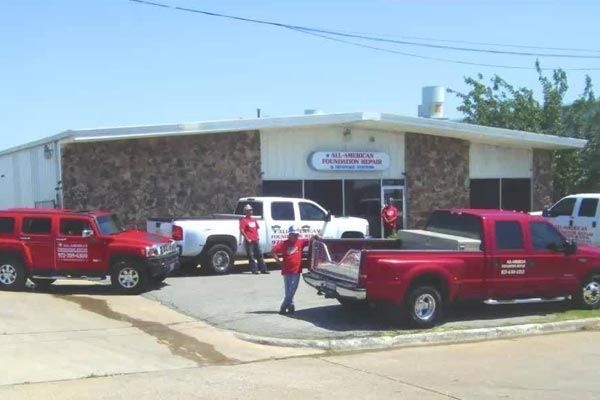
312,111
432,103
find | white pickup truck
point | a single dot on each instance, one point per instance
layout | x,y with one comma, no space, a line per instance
577,216
214,241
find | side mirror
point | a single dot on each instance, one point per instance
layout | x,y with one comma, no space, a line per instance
545,212
570,247
328,216
86,233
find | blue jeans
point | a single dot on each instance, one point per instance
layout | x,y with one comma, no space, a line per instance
290,282
253,250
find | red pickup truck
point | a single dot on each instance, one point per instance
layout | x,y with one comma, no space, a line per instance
487,255
46,245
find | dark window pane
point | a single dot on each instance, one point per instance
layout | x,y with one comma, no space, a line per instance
449,223
310,212
545,236
73,227
7,225
392,182
36,226
508,235
516,194
282,211
563,207
485,193
363,200
257,207
282,188
588,208
328,194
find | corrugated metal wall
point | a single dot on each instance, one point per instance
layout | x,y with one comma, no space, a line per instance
488,161
29,176
284,152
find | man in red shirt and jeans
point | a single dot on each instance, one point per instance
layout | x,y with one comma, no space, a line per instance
389,215
291,266
249,233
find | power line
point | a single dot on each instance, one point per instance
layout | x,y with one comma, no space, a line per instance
326,34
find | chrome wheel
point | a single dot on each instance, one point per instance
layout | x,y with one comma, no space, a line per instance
8,274
128,277
425,306
221,260
591,293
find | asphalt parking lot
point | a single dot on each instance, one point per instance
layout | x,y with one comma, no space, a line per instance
249,304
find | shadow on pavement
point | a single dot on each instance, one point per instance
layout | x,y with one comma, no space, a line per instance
341,319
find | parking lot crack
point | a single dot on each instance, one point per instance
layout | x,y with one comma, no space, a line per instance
391,378
178,343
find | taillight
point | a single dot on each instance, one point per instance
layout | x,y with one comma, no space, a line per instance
177,233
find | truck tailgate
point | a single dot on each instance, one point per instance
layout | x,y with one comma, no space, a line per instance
160,226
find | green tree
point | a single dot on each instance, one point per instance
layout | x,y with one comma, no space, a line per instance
500,104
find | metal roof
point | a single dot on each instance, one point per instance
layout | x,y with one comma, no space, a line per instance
365,120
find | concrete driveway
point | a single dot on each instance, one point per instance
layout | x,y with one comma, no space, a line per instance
249,304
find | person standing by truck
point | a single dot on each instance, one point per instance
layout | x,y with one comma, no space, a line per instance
389,215
249,234
291,266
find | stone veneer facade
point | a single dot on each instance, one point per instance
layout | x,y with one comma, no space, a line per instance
437,175
169,176
542,178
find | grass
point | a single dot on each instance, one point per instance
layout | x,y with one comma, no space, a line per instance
569,315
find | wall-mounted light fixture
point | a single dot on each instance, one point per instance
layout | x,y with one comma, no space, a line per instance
48,151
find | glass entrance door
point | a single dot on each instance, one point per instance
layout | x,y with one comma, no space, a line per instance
396,194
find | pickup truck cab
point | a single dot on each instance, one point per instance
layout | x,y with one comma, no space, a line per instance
577,216
46,245
214,241
487,255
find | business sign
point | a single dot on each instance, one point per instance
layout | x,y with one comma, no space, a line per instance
349,161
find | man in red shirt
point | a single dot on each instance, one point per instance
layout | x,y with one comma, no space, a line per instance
249,234
389,215
291,266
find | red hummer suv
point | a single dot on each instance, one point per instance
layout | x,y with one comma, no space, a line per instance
46,245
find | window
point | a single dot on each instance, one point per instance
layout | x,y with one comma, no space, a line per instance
363,200
73,227
562,208
310,212
282,188
327,193
449,223
282,211
109,224
545,236
257,208
36,226
508,235
516,194
485,193
7,225
588,208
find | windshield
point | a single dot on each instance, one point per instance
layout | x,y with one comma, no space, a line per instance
109,224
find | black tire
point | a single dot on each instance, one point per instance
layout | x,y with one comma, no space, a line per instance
128,277
219,259
13,275
42,284
589,293
424,307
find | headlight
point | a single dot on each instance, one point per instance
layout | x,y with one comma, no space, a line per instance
152,251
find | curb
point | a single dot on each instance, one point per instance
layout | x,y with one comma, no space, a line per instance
428,338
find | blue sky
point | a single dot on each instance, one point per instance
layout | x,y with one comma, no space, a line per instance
71,64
